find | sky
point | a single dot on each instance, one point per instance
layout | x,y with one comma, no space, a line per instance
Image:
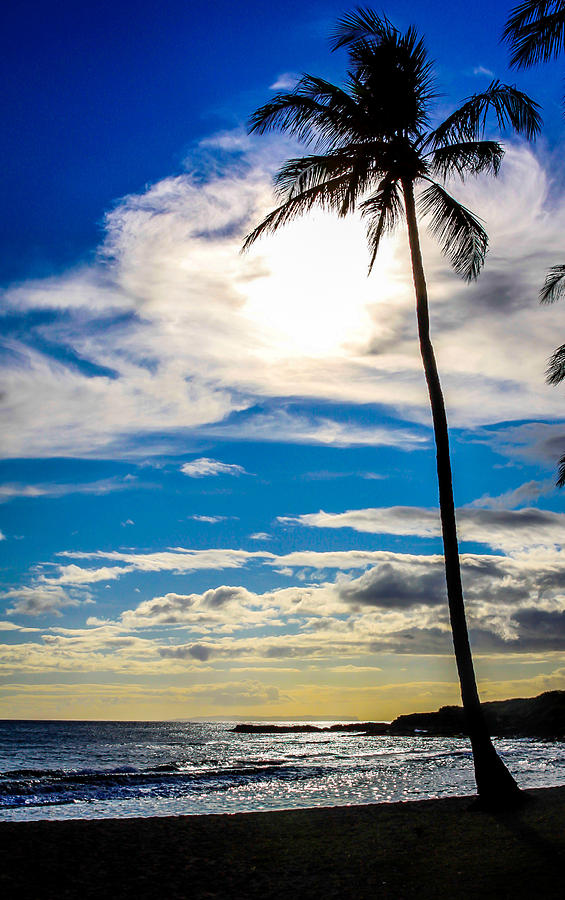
217,475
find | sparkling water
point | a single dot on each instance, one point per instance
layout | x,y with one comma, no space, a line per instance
62,770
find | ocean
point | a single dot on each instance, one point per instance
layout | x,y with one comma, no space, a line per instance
69,770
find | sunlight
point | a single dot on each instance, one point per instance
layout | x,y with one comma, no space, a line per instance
315,300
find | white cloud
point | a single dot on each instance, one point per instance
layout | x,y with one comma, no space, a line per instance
515,604
56,411
525,493
339,559
224,608
403,520
234,141
76,575
211,520
48,592
299,428
203,467
508,530
481,70
285,82
9,491
532,441
329,475
12,626
185,331
39,600
177,559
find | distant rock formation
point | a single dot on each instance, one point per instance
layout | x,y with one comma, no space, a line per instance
353,727
541,717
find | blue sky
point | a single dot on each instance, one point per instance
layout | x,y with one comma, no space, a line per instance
217,483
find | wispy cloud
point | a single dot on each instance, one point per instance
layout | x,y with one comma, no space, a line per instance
531,441
502,529
301,428
285,82
10,491
12,626
210,520
76,575
177,559
526,493
330,475
182,332
204,467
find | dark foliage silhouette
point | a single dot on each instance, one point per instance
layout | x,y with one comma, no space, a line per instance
535,32
373,144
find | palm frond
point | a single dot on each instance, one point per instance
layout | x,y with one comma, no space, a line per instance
462,237
530,11
554,285
300,174
466,158
329,195
535,32
361,25
360,165
316,112
366,162
393,69
511,107
561,473
361,176
555,372
383,210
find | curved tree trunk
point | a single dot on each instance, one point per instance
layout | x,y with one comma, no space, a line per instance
495,785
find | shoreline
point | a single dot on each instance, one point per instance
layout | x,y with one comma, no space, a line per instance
422,848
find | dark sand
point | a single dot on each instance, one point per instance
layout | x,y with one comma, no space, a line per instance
427,849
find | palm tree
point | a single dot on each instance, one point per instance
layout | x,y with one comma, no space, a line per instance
373,145
535,32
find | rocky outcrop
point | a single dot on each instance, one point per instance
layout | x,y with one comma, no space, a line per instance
542,717
352,727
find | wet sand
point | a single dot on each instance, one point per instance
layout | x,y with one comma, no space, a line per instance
426,849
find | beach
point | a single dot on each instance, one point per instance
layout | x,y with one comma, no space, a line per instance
425,849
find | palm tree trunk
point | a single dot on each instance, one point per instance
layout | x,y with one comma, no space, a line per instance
495,785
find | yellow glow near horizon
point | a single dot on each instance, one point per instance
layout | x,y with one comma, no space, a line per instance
315,300
364,702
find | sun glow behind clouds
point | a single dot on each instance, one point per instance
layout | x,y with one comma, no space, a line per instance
315,298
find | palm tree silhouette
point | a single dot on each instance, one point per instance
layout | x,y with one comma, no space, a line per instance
535,32
374,143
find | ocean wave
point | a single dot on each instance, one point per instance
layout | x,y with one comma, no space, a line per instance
69,770
44,787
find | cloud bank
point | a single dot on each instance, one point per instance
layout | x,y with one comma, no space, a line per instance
172,331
